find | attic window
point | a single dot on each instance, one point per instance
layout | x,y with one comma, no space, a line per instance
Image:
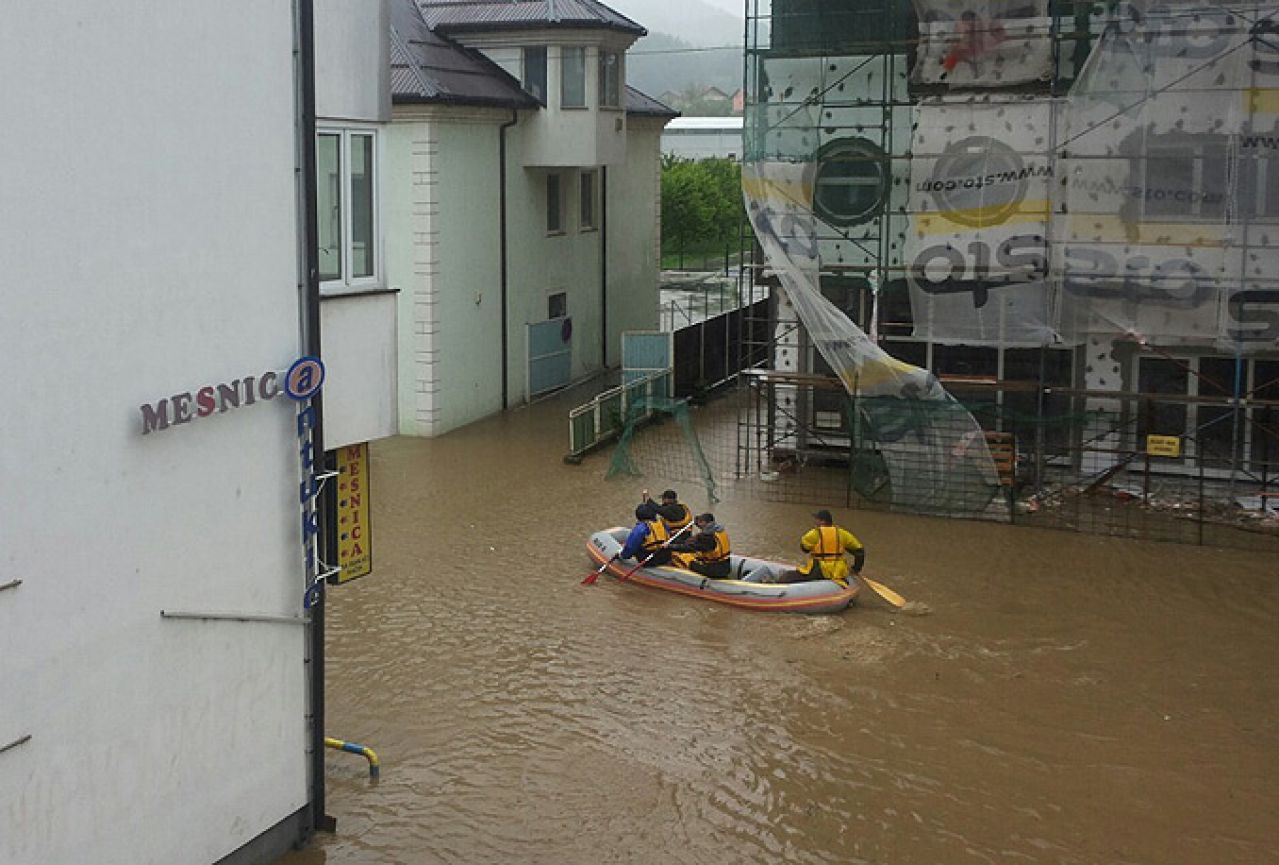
610,79
573,77
534,74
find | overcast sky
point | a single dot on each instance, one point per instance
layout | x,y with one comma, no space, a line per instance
737,7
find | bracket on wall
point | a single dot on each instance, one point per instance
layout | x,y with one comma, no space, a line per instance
21,740
12,584
235,617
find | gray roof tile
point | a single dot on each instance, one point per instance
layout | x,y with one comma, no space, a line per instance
428,68
448,15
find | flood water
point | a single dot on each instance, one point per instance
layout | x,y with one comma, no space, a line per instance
1065,699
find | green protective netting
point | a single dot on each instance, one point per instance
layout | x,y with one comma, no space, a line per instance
650,446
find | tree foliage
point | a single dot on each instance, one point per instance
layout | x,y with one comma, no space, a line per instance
701,203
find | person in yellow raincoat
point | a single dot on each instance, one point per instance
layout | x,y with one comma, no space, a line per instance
826,544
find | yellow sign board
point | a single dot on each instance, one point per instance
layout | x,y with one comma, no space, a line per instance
355,538
1163,446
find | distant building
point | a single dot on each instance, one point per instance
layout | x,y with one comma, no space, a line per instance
523,202
703,138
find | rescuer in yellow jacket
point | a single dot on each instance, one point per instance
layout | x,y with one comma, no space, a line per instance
646,542
826,544
675,514
708,550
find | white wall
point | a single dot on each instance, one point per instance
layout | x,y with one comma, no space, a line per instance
352,60
149,240
443,254
634,235
358,327
360,363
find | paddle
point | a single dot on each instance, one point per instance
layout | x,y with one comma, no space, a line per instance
624,577
591,578
882,590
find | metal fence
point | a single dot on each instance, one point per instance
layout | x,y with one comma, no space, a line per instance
1154,466
603,418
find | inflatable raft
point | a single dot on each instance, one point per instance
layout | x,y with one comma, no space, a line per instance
749,587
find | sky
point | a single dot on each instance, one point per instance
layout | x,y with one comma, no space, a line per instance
736,7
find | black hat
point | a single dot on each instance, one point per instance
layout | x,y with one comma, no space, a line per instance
706,518
824,516
646,511
670,494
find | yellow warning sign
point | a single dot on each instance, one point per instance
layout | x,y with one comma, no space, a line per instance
355,539
1163,446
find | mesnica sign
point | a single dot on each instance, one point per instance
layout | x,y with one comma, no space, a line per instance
182,408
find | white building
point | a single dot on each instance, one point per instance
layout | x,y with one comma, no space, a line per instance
703,138
523,182
156,662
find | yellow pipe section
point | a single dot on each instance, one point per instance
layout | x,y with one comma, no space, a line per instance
375,767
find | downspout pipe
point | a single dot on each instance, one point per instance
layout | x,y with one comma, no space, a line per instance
502,252
604,267
310,327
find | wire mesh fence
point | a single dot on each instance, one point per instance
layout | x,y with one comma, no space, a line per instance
1145,466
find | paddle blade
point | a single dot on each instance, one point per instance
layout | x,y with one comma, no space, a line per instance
884,592
591,578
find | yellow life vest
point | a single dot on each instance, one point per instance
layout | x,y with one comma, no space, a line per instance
829,555
656,537
721,551
674,526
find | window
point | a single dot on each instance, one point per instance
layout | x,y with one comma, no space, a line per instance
610,79
534,75
587,195
573,78
851,183
557,305
554,204
346,200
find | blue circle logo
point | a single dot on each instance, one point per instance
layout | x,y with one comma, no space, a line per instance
304,378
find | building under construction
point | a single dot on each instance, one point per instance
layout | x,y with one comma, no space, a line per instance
1066,212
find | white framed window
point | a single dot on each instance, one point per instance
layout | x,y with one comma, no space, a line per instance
347,207
572,77
610,79
588,198
554,203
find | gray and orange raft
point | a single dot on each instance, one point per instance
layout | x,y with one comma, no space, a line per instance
749,586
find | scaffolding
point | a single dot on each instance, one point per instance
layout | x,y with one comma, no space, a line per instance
1069,204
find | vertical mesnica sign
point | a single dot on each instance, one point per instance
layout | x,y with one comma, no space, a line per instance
301,383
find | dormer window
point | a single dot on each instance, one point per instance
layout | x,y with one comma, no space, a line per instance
573,77
534,73
610,79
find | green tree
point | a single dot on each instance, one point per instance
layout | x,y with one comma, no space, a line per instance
702,209
688,205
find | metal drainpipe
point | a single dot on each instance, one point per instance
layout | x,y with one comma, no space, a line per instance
501,209
310,327
604,266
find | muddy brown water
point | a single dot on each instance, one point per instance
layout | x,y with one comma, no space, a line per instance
1065,699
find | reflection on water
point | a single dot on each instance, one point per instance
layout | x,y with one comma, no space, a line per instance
1067,699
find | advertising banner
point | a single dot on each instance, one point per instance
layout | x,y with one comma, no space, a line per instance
977,250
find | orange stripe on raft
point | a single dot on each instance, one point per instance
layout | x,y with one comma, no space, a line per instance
844,596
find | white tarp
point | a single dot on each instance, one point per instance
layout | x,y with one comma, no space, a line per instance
983,43
977,252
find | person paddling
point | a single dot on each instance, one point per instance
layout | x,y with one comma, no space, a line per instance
707,552
675,514
647,539
826,544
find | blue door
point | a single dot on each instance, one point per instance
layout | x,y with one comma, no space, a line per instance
550,355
